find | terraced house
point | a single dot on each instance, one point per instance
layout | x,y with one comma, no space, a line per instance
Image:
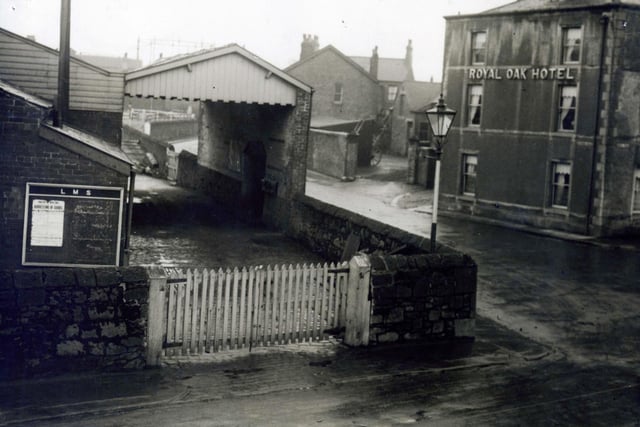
548,124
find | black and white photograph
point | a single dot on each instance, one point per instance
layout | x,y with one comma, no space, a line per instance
319,213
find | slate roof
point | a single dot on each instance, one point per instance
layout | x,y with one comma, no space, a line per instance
331,48
389,69
550,5
324,121
19,93
91,141
420,94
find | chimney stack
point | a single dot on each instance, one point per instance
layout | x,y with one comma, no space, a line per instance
373,63
408,57
309,45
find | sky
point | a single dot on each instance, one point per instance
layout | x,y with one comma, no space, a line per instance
271,29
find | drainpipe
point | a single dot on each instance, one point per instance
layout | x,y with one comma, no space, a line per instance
604,20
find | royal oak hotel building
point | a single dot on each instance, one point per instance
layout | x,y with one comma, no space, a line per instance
548,126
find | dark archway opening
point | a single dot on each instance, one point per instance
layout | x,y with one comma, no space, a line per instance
254,161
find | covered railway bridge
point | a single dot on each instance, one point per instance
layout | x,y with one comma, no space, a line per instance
252,127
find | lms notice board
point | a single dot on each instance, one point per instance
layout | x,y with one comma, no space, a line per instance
72,225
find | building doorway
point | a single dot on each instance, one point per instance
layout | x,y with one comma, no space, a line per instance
254,161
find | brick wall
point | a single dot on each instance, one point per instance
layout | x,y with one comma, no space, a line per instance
422,297
103,124
60,320
26,157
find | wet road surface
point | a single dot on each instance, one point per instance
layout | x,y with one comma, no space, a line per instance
174,227
558,335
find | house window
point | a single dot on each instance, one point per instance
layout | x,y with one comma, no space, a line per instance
567,108
478,47
423,131
475,105
571,45
392,91
561,181
635,203
469,168
337,96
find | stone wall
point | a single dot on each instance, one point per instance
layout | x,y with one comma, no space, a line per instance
196,177
332,153
413,294
55,320
325,229
168,130
361,93
422,297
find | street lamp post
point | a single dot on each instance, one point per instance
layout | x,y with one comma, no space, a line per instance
440,119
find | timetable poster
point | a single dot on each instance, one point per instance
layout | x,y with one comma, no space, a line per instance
47,223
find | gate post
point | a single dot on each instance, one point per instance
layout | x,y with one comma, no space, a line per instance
358,302
155,320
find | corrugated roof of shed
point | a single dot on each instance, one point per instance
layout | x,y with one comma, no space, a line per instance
228,74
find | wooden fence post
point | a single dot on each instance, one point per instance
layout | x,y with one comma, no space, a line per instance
358,303
155,321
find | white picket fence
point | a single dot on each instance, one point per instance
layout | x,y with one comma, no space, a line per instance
215,310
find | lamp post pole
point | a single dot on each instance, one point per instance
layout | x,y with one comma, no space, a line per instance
436,193
440,119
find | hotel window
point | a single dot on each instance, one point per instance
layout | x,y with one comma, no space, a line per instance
571,45
567,108
337,95
561,181
474,109
392,91
635,203
469,170
478,47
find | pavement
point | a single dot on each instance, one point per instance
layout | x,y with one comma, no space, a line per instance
557,337
325,369
382,193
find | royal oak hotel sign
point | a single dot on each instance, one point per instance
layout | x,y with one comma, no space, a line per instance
523,73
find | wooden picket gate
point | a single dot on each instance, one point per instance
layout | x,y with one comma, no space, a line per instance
216,310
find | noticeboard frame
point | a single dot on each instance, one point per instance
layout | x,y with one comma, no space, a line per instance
56,191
